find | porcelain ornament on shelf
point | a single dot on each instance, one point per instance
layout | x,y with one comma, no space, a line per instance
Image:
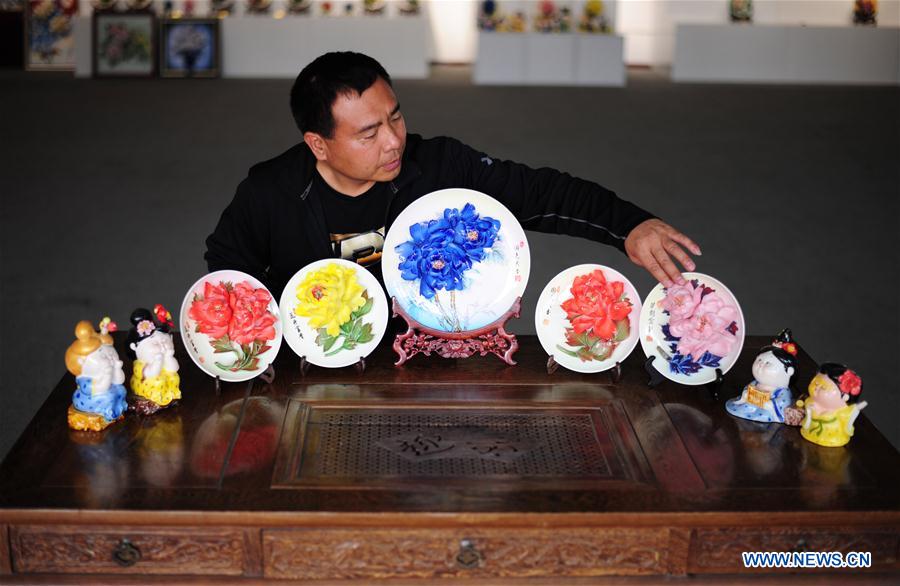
100,397
832,407
768,395
155,378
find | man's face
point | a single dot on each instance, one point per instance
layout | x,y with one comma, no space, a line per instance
369,136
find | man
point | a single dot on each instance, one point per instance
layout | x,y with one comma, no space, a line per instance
336,193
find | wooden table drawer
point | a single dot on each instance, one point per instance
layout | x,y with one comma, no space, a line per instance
139,550
422,553
719,550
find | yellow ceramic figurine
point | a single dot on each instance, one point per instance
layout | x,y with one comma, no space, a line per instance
832,406
99,398
155,379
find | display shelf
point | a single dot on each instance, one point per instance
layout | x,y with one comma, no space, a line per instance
786,54
549,59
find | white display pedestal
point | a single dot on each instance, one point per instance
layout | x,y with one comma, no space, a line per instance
262,46
549,59
786,54
254,46
600,60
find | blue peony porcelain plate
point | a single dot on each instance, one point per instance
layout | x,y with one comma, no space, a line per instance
456,260
692,329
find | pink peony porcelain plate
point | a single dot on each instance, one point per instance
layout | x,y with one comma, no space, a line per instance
692,329
230,325
587,318
334,312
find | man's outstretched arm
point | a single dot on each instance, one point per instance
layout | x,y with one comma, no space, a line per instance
547,200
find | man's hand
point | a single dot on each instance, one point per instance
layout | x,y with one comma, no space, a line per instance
652,243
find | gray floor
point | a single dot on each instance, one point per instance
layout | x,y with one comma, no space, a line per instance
110,187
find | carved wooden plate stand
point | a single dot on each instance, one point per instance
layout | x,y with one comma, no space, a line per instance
491,339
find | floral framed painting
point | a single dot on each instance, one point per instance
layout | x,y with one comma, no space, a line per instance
124,44
49,37
189,47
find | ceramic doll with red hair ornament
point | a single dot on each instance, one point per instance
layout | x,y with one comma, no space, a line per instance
155,379
767,397
832,406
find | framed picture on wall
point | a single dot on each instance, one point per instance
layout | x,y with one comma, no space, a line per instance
189,47
49,38
124,44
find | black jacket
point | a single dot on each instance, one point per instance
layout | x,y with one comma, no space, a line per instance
276,223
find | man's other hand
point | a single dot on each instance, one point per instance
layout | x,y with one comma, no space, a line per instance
653,243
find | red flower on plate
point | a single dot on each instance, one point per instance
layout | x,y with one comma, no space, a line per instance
850,383
212,311
251,319
595,305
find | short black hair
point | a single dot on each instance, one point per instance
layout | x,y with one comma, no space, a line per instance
323,80
835,371
785,358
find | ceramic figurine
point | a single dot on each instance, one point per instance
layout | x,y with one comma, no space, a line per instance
768,395
865,12
372,6
740,10
99,399
155,378
592,18
409,7
832,406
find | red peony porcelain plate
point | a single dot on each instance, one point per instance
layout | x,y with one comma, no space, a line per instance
334,312
692,329
230,325
587,318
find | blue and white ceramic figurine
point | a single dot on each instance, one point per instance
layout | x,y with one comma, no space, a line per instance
768,395
99,399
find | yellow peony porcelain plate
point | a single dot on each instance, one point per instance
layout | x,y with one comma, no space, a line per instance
334,313
230,325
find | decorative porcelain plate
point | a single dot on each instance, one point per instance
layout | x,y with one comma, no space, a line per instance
334,312
692,329
587,318
230,325
456,260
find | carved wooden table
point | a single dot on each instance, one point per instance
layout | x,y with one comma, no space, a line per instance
445,469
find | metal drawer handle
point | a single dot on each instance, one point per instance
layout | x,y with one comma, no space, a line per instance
468,557
126,554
